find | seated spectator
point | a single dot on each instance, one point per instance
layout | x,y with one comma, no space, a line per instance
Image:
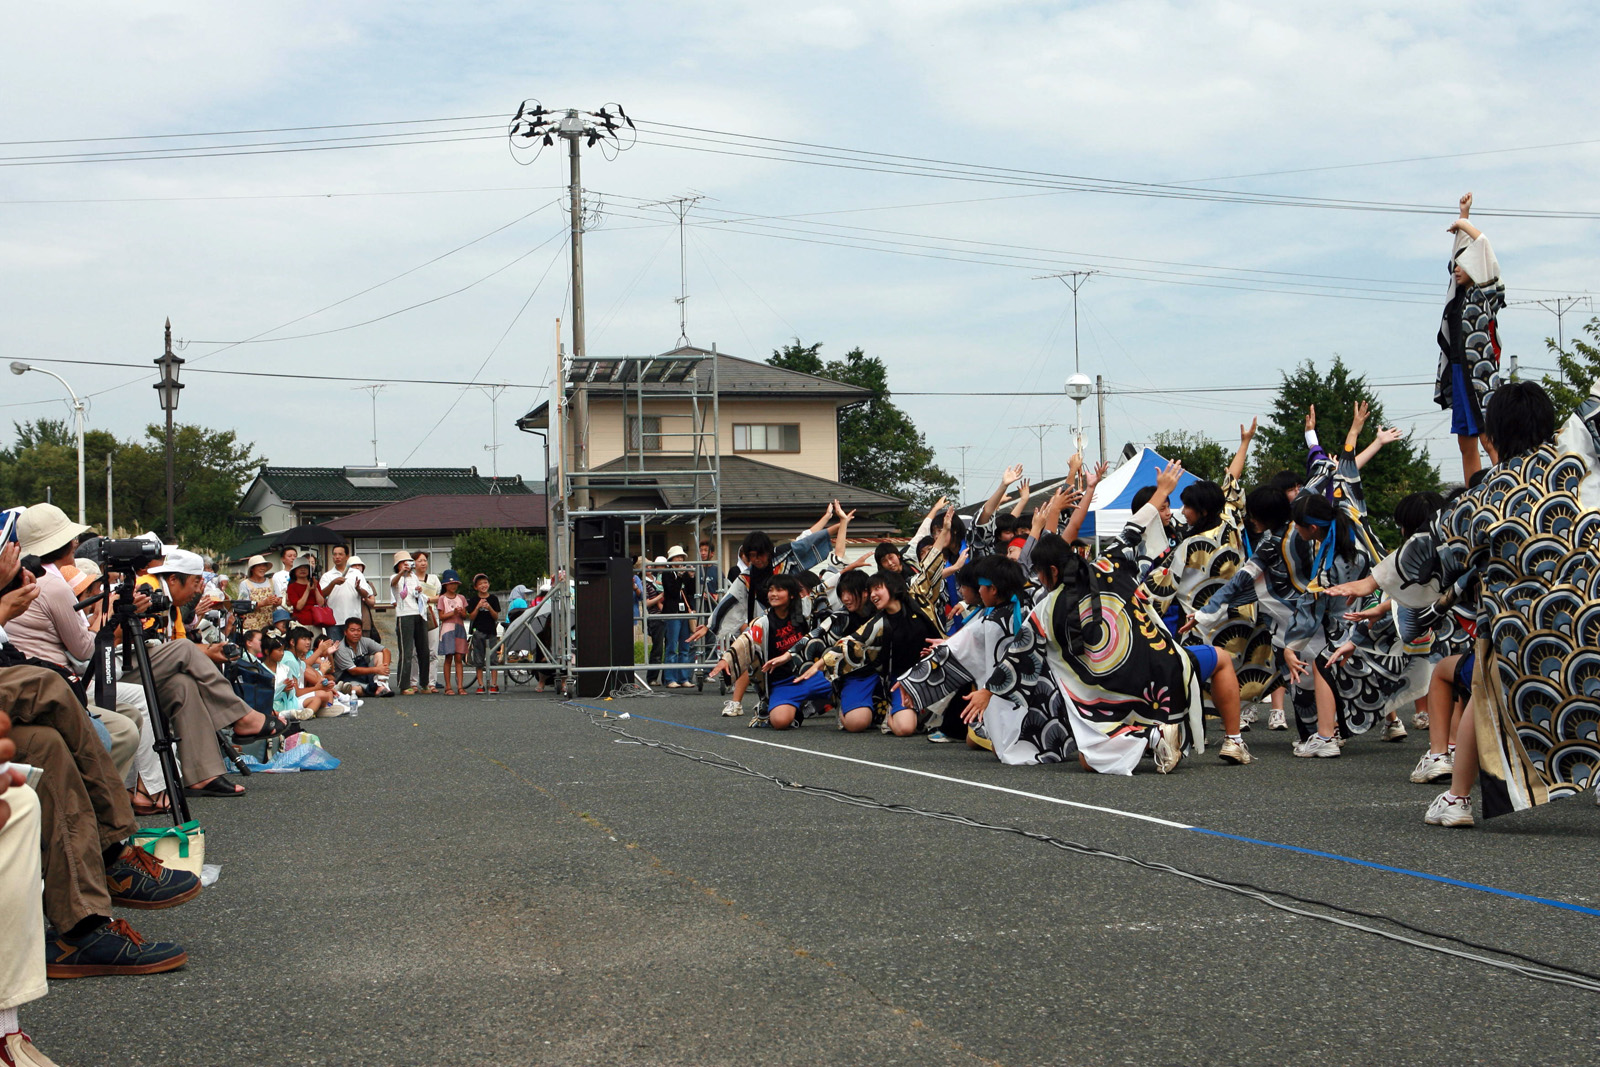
21,914
196,697
361,661
281,621
85,821
302,691
303,595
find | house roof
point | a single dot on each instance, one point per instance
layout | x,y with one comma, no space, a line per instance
447,513
358,486
736,377
747,485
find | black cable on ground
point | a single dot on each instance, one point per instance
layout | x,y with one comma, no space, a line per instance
1529,967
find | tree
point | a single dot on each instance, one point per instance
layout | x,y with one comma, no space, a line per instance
210,467
508,557
1397,471
1200,455
880,448
1579,369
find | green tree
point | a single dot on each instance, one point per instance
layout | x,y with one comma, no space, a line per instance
1579,369
880,448
508,557
1399,470
211,468
1200,455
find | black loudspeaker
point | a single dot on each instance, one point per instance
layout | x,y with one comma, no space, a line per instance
603,623
597,537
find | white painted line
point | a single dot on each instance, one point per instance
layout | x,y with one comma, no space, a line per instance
962,781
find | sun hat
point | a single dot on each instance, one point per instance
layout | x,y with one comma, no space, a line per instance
661,559
401,557
281,615
675,551
355,561
449,576
300,564
88,572
45,528
180,561
255,561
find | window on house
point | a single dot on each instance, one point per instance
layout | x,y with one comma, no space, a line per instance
766,437
644,433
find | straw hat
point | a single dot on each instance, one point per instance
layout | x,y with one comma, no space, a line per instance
401,557
355,561
45,528
255,561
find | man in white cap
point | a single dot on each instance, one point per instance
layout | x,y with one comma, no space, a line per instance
678,588
196,697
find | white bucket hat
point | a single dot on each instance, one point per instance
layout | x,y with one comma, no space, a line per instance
45,528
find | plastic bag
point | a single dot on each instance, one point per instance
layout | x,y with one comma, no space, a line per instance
306,755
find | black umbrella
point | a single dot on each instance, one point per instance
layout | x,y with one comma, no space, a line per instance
307,534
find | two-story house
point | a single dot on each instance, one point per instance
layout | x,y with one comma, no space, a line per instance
778,445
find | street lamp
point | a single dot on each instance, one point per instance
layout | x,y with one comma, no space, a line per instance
18,367
1078,387
167,388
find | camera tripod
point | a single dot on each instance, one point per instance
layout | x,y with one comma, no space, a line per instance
125,616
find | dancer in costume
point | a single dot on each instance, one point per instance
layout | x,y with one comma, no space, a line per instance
1469,336
1531,531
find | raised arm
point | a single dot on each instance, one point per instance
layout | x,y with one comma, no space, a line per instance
1358,422
1461,225
1011,474
1081,512
1236,465
842,533
1388,435
1022,500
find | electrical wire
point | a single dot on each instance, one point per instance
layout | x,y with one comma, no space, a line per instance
178,154
1514,962
388,379
241,133
286,196
157,153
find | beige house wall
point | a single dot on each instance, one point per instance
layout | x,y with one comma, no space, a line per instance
818,421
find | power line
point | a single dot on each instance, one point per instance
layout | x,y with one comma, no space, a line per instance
283,196
251,152
239,133
386,380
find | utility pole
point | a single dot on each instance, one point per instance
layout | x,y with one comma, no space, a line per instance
1074,280
109,526
1100,403
963,449
1039,429
537,128
1559,306
374,389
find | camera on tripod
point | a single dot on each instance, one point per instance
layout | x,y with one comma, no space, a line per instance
124,554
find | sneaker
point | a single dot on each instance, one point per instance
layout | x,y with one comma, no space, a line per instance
1419,721
1169,747
1247,718
1394,730
111,948
138,880
1447,812
732,709
1235,752
1319,747
1432,767
20,1049
939,737
759,722
1339,738
1276,720
674,685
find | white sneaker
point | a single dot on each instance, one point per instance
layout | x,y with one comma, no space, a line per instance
1419,720
1169,747
1247,718
1235,752
1447,812
732,709
1276,720
1394,730
1319,747
1432,767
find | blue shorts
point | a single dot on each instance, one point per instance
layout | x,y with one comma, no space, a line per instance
1462,403
858,691
1205,660
1463,678
896,701
794,693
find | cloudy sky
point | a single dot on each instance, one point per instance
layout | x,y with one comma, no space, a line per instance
1096,125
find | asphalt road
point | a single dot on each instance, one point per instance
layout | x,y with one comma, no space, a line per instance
502,881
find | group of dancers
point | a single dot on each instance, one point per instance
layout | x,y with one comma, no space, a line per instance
1018,636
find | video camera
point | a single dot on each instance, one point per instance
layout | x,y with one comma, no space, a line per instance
126,555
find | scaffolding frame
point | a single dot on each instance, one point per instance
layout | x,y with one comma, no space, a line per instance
670,384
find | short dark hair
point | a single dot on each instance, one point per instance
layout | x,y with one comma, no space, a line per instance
354,620
789,584
60,553
1206,498
1519,418
1413,512
1287,480
1142,497
891,581
1268,505
1052,553
923,546
297,632
756,542
887,548
853,582
1314,509
270,644
1005,575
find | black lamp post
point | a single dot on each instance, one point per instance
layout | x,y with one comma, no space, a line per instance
167,388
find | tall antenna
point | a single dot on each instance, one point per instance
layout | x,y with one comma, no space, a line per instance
374,389
963,449
493,447
1039,430
680,206
1074,280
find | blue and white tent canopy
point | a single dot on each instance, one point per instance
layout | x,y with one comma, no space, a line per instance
1113,498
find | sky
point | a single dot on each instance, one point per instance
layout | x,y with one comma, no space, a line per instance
410,263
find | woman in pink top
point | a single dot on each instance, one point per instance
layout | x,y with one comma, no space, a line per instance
452,608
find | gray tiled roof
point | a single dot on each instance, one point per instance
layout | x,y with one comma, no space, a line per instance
749,484
328,485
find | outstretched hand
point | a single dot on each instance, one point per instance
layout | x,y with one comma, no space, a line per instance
1359,587
1011,474
977,702
1362,410
1247,435
1095,475
1466,204
1169,477
1388,435
1311,419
